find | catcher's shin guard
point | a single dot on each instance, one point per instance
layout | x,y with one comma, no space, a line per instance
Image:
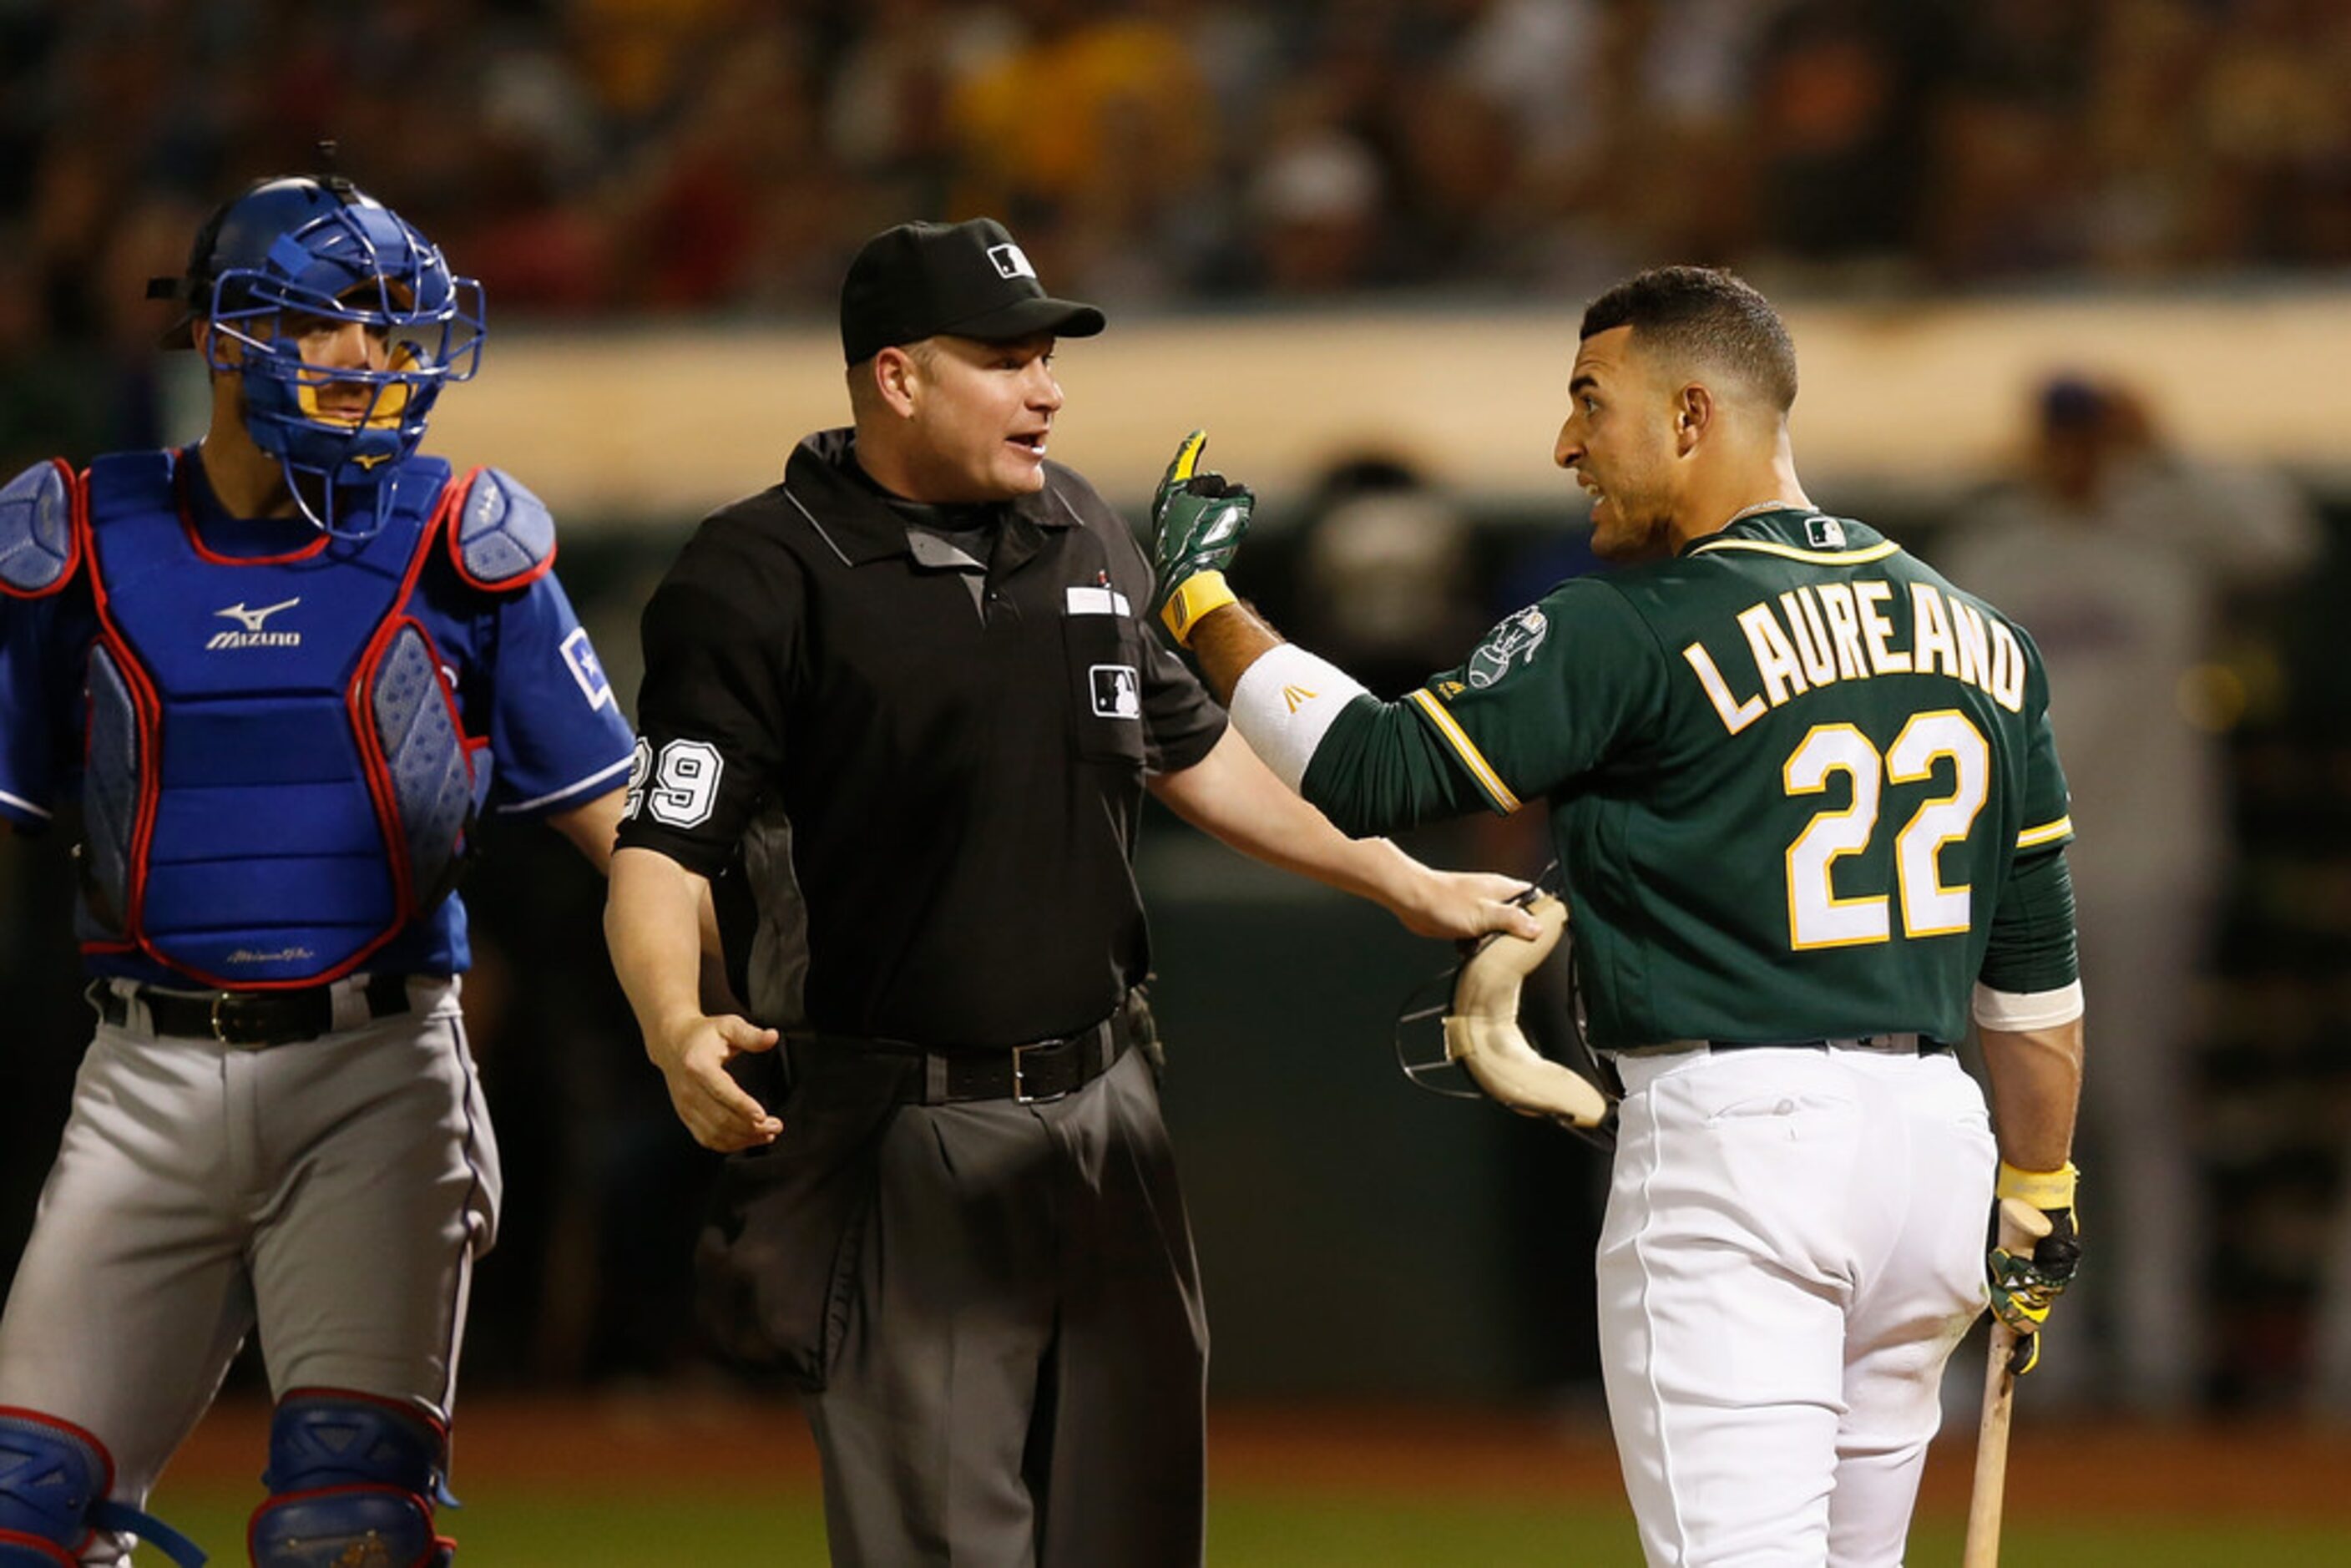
352,1479
54,1478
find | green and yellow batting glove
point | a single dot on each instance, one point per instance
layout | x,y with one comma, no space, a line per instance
1198,520
2034,1250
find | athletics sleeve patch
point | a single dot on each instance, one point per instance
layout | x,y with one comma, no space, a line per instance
1509,646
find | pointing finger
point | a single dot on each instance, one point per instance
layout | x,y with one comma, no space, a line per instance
1185,463
1187,456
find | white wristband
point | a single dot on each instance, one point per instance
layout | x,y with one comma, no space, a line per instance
1286,702
2017,1011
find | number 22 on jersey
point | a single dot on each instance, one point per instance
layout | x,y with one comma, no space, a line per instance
1817,918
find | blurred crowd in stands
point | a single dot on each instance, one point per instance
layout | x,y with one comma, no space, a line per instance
666,155
652,157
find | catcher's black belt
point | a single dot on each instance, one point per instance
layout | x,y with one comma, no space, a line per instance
1028,1074
244,1018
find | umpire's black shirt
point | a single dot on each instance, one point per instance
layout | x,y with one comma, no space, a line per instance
931,791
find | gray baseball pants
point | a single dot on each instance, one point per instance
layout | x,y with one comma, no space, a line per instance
332,1192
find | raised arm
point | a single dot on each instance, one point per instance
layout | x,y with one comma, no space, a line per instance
1543,698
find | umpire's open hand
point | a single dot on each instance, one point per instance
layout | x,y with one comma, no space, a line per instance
1465,906
1197,521
716,1110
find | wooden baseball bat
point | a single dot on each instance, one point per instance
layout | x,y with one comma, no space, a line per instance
2021,1225
1982,1550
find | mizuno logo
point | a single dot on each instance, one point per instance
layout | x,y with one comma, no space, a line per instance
1296,696
369,460
251,620
253,636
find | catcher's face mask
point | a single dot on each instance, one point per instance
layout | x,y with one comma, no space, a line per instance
296,263
1483,1038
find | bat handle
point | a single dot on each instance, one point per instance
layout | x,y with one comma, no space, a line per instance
1982,1550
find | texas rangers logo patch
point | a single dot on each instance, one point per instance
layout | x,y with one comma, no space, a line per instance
1514,641
579,658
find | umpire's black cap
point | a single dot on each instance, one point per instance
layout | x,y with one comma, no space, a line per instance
967,280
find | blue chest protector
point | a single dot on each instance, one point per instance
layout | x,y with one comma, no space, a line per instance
275,781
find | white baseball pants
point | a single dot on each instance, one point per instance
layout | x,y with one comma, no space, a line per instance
1793,1245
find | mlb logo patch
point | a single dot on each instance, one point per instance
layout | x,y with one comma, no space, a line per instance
1011,261
1826,533
1118,691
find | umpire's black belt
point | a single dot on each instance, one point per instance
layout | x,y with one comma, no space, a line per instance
1026,1074
245,1017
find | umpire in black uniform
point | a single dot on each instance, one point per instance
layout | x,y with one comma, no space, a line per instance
898,715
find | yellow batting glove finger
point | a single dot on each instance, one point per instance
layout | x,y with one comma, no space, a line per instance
1185,464
1187,456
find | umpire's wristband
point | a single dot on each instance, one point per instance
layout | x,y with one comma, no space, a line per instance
1195,598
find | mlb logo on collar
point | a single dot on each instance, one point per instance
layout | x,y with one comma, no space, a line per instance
1011,261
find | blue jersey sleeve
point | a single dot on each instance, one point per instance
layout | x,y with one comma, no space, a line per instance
557,736
36,690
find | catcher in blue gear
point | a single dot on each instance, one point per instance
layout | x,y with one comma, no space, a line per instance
270,681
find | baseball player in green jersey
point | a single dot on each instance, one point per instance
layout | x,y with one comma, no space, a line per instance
1811,817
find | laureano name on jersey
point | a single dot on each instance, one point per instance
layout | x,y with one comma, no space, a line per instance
1819,635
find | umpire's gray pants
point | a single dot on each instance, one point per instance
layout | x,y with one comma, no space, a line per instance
1020,1367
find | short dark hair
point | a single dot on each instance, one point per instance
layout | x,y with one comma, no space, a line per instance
1707,313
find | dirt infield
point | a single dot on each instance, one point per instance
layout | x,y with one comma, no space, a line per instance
650,1442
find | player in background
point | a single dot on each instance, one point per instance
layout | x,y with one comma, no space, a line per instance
1810,815
2110,544
269,676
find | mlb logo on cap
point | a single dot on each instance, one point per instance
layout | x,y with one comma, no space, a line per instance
1011,261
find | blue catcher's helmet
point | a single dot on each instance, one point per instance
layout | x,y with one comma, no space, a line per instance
321,248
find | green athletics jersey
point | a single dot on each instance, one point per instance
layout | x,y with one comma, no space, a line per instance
1789,772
